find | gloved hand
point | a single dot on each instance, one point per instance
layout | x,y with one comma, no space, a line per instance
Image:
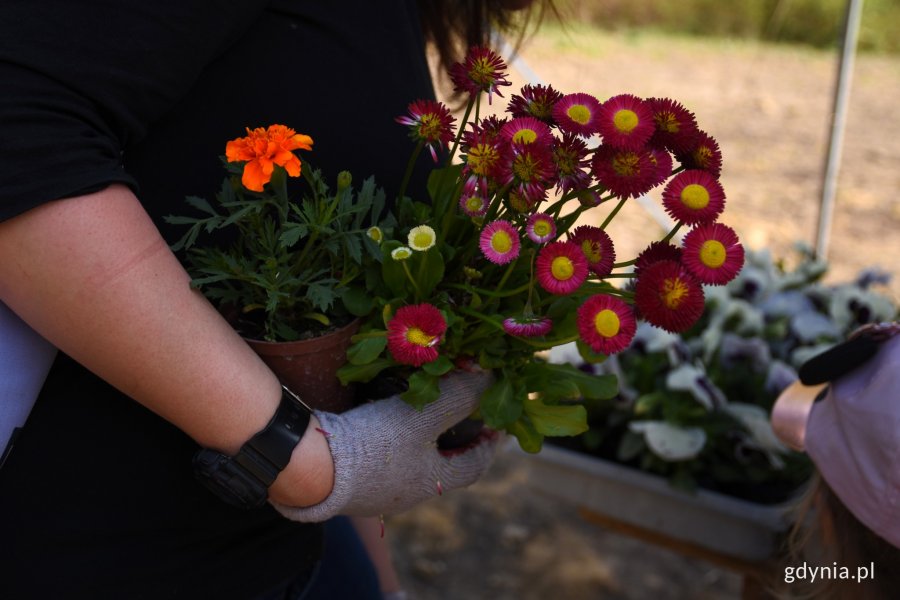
385,453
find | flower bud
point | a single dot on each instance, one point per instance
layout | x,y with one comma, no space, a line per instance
344,179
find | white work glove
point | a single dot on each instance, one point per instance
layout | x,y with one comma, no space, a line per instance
385,453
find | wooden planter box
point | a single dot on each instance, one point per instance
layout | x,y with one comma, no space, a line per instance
720,524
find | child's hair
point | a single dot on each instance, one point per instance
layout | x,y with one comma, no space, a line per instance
827,534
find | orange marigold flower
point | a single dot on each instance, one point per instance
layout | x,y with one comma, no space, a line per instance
262,149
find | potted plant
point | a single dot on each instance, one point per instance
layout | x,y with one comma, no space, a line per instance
510,257
688,438
287,266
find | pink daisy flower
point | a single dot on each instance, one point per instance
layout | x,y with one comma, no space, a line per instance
481,71
703,154
656,252
625,173
414,332
577,113
561,268
597,247
663,161
606,324
499,242
473,201
668,296
523,326
535,101
529,169
483,157
430,122
540,228
570,158
526,130
713,254
693,197
675,126
625,122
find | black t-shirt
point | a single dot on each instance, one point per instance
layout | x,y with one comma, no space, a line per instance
97,499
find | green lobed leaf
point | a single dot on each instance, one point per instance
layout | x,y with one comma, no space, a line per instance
501,404
438,367
423,389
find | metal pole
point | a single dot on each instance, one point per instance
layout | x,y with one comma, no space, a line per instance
838,124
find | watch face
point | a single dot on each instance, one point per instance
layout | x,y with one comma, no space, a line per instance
221,475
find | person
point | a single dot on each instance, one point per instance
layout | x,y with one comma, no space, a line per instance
845,413
109,116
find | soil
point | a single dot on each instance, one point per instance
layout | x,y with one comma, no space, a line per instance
768,106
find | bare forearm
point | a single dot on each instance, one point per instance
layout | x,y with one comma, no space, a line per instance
93,275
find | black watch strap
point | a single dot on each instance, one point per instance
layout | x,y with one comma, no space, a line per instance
243,479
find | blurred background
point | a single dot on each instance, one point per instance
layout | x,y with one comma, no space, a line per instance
760,77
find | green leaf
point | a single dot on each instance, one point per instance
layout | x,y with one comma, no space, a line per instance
630,446
501,405
321,294
590,386
438,367
362,373
366,350
423,389
201,204
392,270
556,420
428,268
292,233
357,302
529,439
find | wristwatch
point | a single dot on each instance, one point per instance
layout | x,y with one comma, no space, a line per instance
243,480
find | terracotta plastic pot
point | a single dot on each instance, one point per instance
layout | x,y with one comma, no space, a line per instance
309,367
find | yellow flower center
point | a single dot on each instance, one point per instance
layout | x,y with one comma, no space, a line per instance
626,164
667,122
481,159
414,335
422,239
606,322
674,292
525,136
501,242
713,254
579,113
591,251
703,156
625,120
474,203
695,196
542,228
562,268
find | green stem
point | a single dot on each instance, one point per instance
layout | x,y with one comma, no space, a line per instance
412,279
672,233
489,293
461,130
614,212
409,168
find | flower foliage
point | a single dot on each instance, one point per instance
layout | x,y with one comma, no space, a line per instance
293,263
695,406
511,246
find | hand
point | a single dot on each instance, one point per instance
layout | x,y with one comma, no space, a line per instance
385,453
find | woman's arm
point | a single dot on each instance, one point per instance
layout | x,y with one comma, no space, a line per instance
93,276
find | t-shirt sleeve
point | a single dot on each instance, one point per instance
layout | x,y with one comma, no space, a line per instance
80,81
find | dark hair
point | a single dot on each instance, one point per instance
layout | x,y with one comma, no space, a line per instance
453,26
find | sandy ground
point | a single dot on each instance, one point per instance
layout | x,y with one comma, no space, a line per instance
769,109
